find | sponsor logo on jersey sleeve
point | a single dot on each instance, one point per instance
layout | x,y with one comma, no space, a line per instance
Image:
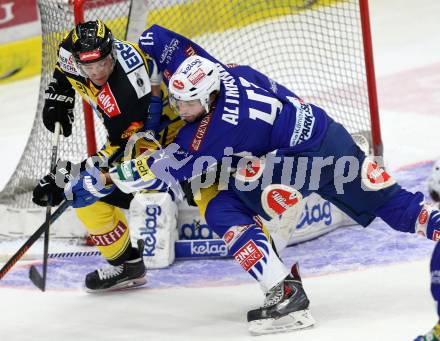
305,121
140,81
436,235
168,51
200,133
107,102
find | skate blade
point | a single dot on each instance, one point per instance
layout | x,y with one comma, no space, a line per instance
297,320
133,283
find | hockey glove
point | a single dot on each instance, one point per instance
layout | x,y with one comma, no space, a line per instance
152,123
58,107
50,189
89,188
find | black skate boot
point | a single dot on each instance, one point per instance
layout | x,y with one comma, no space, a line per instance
127,275
285,308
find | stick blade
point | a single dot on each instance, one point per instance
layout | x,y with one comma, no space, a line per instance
36,278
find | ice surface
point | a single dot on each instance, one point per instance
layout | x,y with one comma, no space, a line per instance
364,284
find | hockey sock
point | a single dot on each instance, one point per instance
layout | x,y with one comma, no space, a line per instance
109,231
253,251
435,276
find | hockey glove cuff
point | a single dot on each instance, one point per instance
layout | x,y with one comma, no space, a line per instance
58,107
50,189
89,188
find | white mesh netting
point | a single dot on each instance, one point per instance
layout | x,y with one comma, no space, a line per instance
314,47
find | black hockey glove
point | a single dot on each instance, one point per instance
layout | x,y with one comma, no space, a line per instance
58,106
50,189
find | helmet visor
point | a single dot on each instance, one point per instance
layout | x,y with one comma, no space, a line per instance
186,108
103,66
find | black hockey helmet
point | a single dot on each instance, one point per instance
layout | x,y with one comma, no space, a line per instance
91,42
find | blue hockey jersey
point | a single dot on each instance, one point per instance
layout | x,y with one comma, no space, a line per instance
169,49
253,115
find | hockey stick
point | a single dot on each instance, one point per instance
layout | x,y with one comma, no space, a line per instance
53,217
32,239
34,275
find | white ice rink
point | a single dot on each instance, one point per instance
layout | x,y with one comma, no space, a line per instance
388,302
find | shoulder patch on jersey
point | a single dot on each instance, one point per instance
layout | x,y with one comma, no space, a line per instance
140,81
107,102
305,121
67,64
128,56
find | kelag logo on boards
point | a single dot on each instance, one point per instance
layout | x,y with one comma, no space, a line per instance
315,214
16,12
196,230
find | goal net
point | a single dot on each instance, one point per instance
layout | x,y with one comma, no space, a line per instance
320,49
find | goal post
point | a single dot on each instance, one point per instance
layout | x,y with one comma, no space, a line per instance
320,49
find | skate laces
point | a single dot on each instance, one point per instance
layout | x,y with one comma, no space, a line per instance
274,295
110,271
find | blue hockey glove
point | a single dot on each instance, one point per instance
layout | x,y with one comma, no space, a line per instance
152,123
88,188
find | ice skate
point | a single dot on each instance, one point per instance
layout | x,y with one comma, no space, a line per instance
130,274
285,308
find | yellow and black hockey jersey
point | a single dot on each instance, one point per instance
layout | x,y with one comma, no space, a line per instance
122,103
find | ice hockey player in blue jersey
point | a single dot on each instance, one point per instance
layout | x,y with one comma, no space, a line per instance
434,192
235,111
434,333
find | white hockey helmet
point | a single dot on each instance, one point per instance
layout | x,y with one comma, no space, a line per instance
434,182
196,78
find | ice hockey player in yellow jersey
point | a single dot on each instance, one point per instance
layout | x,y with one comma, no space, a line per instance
123,86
